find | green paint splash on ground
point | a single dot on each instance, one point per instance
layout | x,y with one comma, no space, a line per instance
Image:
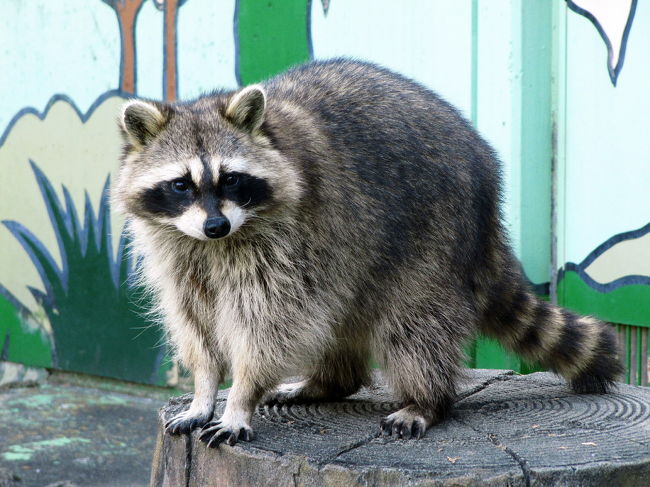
25,452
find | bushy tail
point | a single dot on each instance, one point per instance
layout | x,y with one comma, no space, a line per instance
582,349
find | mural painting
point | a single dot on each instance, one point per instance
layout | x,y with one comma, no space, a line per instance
68,299
603,172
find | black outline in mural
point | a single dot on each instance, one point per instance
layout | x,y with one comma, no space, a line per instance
41,115
13,300
310,46
326,6
597,252
612,70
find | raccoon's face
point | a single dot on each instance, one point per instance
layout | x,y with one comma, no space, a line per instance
203,169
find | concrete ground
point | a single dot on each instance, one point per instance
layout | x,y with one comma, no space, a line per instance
65,430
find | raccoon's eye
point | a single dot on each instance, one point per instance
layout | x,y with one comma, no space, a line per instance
180,185
231,180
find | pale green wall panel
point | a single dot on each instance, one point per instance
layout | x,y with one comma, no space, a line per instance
536,151
607,136
48,47
513,112
149,52
498,96
206,47
426,40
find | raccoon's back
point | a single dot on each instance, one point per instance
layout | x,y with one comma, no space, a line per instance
387,162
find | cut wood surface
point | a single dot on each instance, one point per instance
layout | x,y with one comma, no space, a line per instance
505,429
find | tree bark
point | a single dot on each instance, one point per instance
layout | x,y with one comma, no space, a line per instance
504,430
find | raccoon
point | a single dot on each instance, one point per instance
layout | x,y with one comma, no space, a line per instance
335,212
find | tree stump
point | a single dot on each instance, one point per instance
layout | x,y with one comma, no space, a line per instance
505,430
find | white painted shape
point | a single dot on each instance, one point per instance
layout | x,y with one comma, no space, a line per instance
607,142
626,258
70,47
612,16
425,40
206,47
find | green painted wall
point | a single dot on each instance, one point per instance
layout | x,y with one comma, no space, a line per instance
20,342
272,36
627,304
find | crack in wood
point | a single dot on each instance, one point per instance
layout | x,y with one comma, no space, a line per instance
348,448
523,464
188,459
481,387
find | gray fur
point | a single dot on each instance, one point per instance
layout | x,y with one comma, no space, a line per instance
381,235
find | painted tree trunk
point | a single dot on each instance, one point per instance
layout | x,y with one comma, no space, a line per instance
170,81
127,12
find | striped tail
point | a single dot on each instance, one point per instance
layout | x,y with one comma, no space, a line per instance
582,349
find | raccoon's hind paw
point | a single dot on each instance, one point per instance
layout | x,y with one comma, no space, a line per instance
406,423
290,393
185,422
216,432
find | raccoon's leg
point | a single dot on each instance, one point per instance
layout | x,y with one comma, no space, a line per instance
340,372
208,371
206,384
251,379
421,359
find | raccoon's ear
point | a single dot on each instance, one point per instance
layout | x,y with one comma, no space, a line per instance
246,108
142,121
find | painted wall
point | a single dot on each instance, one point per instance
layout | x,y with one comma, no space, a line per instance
531,75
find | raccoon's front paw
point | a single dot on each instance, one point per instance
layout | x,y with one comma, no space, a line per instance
186,421
216,432
406,423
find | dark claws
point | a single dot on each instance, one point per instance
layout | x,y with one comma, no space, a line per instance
213,436
400,429
386,426
176,426
218,438
405,432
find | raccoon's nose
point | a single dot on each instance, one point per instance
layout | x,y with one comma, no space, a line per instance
216,227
